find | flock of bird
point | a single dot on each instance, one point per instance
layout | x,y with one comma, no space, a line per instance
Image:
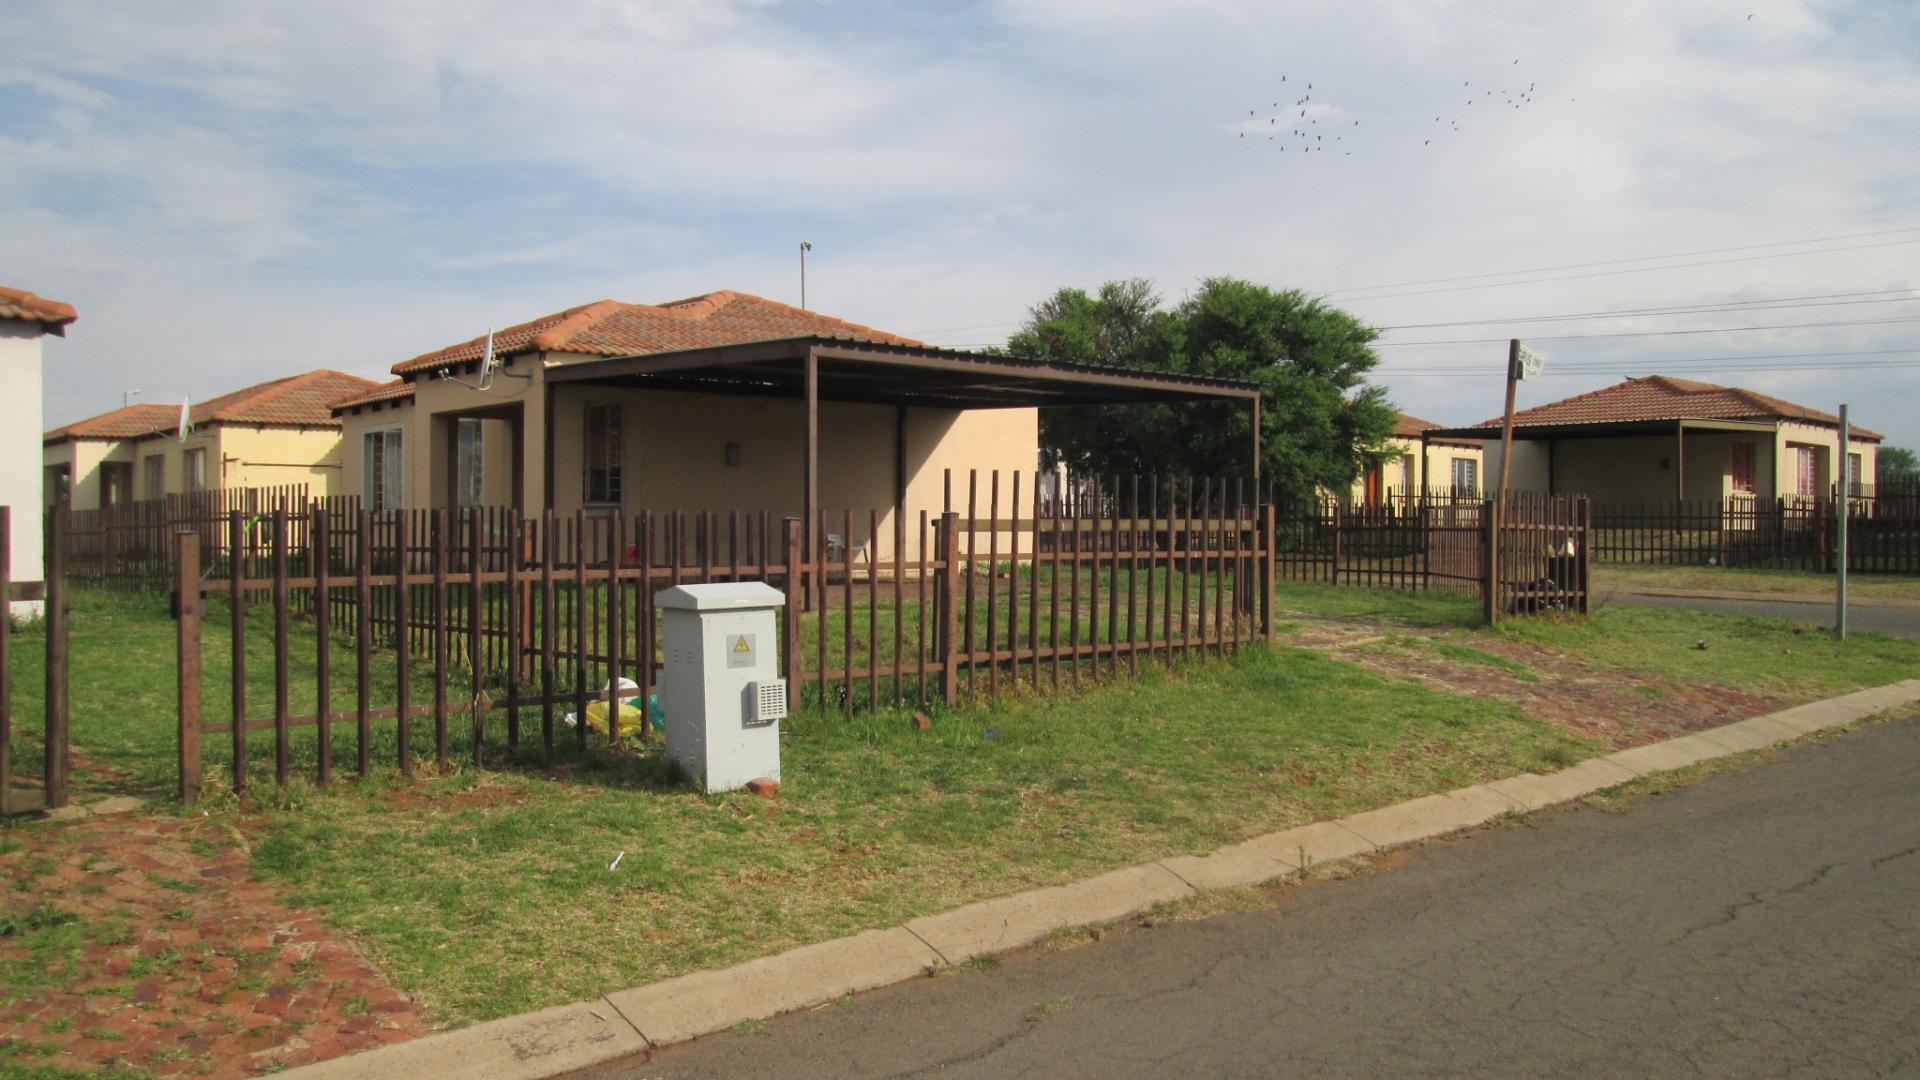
1306,134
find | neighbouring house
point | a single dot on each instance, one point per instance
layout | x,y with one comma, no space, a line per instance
1660,437
24,320
271,434
719,402
1421,466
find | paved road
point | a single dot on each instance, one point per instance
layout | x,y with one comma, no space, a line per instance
1902,622
1763,922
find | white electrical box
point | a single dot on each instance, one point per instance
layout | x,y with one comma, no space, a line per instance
721,689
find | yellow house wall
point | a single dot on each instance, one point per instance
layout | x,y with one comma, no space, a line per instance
274,456
1406,477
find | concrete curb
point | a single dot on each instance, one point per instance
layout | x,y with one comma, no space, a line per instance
568,1037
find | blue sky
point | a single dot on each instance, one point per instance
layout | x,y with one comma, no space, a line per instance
254,189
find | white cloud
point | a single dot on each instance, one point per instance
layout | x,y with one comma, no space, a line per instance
433,166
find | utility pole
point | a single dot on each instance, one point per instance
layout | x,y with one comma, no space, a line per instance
1506,428
1842,508
805,246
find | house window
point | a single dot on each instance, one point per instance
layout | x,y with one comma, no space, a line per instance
155,482
59,483
196,463
1806,472
1742,467
1854,487
385,466
1407,476
1466,477
470,484
603,454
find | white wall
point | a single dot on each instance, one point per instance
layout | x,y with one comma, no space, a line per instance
20,465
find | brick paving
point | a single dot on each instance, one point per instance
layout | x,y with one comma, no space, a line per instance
165,956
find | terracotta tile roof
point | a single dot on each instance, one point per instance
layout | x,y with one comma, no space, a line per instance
1663,397
129,422
397,390
1410,426
298,400
612,328
52,315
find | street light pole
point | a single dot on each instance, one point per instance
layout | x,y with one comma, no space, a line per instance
805,246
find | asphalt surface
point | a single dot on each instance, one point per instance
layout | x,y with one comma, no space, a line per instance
1764,921
1901,622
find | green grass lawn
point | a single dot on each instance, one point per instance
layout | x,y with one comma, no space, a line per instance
486,893
493,894
1716,578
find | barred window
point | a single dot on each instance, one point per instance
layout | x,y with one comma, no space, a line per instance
603,454
384,465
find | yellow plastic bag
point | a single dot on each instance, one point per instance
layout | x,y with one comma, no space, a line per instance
630,718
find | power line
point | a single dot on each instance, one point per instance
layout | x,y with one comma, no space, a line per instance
1650,333
1902,351
1635,270
1777,303
1780,302
1621,262
1489,372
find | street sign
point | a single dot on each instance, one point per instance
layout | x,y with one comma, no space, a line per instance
1530,364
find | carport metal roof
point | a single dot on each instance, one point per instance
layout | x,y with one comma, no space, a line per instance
816,369
894,375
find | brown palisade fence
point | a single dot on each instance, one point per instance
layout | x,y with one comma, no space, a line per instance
1535,558
1746,531
393,636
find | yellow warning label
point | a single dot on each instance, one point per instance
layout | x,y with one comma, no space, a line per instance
740,645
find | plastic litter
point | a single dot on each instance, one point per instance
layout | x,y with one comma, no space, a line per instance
630,712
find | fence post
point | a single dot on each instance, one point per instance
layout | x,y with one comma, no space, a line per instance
790,648
1586,552
56,674
1269,551
1490,563
186,590
948,615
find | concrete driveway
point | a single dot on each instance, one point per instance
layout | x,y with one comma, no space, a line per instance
1761,922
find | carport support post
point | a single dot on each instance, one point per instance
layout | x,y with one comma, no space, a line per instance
1679,461
186,590
810,463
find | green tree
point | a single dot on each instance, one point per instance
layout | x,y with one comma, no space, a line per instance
1321,423
1896,464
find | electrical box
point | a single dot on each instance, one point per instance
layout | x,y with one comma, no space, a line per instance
721,688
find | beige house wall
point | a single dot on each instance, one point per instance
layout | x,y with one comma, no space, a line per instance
675,449
84,457
1642,466
1408,471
